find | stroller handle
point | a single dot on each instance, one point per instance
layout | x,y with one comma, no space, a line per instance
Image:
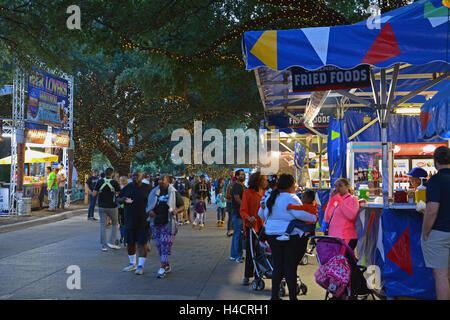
314,239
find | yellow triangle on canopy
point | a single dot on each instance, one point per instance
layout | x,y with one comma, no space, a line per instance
335,134
269,127
265,49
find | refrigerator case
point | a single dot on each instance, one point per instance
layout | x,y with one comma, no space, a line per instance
401,168
364,167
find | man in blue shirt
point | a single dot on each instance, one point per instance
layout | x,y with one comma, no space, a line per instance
436,223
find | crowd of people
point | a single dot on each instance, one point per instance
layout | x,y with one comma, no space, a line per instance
141,208
154,208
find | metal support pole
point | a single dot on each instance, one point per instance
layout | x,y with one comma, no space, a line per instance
384,122
320,162
68,153
17,126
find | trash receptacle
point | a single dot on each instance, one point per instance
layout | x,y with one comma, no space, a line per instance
24,207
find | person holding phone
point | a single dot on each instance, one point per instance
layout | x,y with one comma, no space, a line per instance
342,212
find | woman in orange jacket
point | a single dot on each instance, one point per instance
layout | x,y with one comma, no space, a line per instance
249,213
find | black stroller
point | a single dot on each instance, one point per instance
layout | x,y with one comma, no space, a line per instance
328,247
262,261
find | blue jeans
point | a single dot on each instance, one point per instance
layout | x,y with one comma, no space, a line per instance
92,202
220,214
230,220
53,198
61,198
236,241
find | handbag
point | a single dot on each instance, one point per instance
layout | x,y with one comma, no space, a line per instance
327,224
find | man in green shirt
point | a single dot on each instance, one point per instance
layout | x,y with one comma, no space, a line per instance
52,188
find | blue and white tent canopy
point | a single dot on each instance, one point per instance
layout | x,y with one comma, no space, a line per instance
414,36
435,116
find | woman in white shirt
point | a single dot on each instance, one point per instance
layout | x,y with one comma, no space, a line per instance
286,255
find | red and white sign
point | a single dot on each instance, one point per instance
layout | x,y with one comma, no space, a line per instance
416,149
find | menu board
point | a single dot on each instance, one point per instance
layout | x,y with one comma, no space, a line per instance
426,164
35,133
48,99
60,138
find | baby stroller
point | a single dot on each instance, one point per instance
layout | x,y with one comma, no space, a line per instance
262,261
328,248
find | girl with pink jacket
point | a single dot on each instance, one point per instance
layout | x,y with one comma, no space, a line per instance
342,212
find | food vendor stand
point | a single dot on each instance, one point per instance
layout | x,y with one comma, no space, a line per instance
34,185
44,120
401,75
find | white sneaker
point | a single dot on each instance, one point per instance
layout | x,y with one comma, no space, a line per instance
168,269
130,267
113,246
283,237
104,249
161,273
140,270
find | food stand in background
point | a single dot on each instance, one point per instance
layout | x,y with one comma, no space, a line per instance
34,182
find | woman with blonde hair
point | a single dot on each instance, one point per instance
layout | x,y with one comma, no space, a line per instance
342,212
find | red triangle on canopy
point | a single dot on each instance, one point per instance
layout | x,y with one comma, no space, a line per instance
424,117
384,47
400,253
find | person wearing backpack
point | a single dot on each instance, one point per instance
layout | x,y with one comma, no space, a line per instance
164,203
107,190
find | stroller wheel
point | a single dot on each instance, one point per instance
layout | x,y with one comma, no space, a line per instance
282,291
255,285
303,289
261,284
304,260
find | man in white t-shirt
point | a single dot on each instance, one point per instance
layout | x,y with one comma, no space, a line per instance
62,182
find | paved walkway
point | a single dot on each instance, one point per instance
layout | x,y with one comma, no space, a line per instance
33,264
39,214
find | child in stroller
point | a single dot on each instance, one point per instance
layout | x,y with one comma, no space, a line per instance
338,271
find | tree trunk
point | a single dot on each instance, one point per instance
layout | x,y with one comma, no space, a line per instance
122,167
83,163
